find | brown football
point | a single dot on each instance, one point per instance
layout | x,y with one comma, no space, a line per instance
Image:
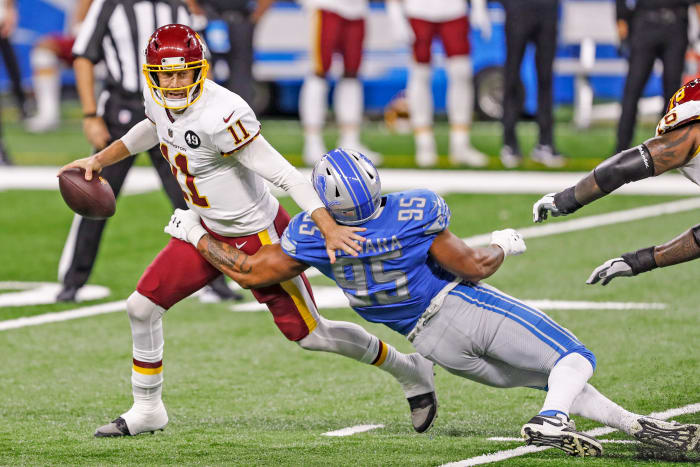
93,199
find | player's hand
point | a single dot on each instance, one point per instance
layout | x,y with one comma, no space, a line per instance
609,270
400,28
96,132
343,237
479,19
544,206
90,164
510,241
185,225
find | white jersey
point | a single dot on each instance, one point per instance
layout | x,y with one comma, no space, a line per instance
201,146
348,9
435,10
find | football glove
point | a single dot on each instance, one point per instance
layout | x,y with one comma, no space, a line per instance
609,270
186,226
510,241
544,206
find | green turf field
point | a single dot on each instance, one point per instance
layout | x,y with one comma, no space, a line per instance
239,394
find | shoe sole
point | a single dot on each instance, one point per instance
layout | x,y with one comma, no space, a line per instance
684,437
432,421
99,434
574,444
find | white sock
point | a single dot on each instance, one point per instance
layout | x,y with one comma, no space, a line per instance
459,137
46,80
566,381
313,102
420,96
593,405
460,92
348,106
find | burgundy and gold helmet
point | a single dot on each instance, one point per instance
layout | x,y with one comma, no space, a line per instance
171,48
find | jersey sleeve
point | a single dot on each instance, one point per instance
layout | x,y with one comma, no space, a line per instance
303,241
235,129
436,213
147,101
683,108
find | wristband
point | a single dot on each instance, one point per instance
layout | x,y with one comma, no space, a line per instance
565,201
195,234
90,115
641,260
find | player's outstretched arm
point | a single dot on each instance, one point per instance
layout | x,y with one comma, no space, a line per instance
474,264
338,237
656,156
684,247
269,265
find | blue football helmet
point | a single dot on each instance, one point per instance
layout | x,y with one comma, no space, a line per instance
348,184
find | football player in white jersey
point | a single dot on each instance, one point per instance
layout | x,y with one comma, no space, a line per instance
212,141
336,26
449,21
675,146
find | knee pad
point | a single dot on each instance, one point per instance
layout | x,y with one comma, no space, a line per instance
317,339
627,166
140,308
41,59
584,352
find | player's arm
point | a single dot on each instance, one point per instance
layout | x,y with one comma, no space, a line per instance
474,264
139,138
654,157
268,266
684,247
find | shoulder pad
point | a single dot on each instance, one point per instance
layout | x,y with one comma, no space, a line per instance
683,108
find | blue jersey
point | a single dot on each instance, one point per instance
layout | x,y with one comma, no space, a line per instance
394,278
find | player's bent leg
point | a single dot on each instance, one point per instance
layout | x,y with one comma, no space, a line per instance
148,412
413,372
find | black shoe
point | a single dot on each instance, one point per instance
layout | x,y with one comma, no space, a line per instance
423,411
113,429
67,294
223,291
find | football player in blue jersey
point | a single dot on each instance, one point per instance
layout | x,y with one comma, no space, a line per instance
419,279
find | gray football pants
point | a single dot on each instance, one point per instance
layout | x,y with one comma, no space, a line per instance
484,335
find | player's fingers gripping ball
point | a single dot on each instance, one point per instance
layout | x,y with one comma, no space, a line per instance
510,241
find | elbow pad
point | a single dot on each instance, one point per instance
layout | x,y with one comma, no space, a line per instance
627,166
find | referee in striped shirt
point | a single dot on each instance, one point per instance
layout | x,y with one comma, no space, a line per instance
116,32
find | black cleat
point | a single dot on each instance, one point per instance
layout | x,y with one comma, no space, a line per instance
221,289
423,411
113,429
558,433
674,435
67,293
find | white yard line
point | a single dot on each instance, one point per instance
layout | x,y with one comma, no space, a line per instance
522,450
63,315
351,430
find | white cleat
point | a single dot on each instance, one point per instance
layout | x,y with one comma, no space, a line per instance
134,422
468,155
560,433
420,393
40,124
376,158
673,435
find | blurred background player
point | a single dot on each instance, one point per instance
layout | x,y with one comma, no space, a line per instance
119,107
46,58
448,20
527,21
240,18
652,29
336,26
8,23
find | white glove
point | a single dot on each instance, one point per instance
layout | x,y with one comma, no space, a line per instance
543,206
479,18
401,30
609,270
510,241
185,225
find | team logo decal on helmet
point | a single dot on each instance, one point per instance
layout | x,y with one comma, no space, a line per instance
175,47
348,184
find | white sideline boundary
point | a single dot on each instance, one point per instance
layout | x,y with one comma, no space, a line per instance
604,430
351,430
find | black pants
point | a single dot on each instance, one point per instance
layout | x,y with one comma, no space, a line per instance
84,238
534,22
239,58
12,66
653,34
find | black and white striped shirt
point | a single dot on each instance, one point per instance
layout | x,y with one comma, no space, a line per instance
117,32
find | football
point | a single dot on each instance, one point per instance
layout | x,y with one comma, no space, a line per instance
93,199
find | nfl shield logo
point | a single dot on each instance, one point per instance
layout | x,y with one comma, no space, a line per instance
170,132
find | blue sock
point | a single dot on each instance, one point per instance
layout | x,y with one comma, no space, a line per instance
553,413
